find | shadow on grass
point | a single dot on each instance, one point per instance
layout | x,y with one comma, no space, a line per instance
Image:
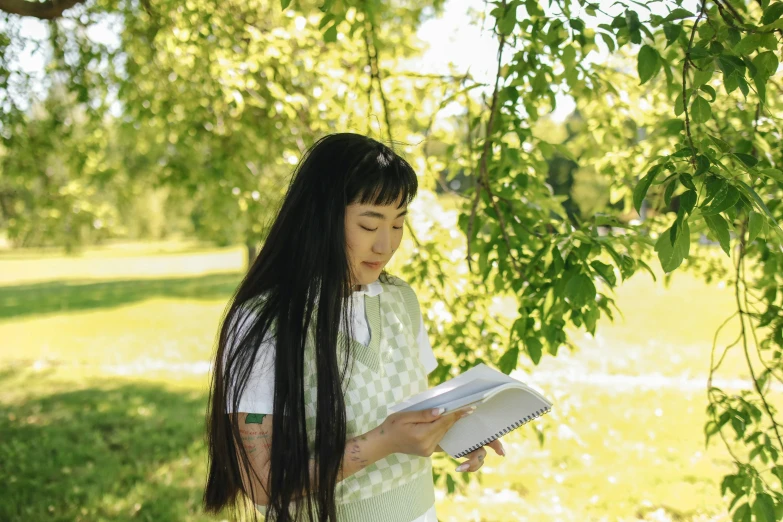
103,452
67,296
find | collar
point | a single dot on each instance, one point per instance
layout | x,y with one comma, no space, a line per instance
370,289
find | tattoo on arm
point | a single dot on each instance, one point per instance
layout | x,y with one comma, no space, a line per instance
355,453
252,436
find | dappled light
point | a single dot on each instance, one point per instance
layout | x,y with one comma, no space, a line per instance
598,214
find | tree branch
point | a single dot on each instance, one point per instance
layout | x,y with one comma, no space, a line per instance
375,71
685,65
48,10
482,178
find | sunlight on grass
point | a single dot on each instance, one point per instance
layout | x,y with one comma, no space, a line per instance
105,360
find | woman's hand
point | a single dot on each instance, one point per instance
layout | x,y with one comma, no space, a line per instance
418,432
476,458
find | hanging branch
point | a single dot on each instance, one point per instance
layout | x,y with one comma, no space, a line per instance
482,175
686,64
371,47
739,278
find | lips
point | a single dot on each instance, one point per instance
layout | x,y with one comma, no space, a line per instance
373,265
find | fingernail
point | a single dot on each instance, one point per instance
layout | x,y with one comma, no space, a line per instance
502,450
437,411
463,467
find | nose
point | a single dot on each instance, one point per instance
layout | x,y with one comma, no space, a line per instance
383,244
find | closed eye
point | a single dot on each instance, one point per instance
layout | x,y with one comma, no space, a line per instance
374,229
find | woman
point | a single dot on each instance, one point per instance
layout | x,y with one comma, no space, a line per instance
317,342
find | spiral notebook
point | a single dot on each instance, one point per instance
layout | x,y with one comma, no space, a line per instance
503,404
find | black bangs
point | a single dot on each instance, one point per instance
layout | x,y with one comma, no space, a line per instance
381,178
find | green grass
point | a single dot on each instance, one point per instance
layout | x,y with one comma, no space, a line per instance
100,449
92,429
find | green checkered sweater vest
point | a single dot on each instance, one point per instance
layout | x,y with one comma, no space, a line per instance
398,488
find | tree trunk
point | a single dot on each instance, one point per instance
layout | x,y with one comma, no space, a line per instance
48,10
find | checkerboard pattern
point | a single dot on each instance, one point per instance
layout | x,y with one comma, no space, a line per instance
384,373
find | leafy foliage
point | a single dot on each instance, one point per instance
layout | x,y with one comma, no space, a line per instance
679,120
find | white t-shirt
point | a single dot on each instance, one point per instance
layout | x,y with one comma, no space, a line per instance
259,391
258,396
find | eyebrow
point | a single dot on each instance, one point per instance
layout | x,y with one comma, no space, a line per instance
372,213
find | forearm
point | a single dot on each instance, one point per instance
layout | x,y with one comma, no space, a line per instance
363,451
360,452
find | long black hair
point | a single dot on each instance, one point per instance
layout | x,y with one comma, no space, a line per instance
303,266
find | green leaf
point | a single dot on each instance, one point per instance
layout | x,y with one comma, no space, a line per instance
508,362
687,179
679,108
605,271
721,144
667,194
746,159
774,174
569,55
701,77
755,222
766,63
742,514
451,486
748,44
580,290
778,471
760,82
709,90
772,13
699,52
731,64
641,188
720,230
648,63
671,255
688,200
284,4
764,506
330,35
509,21
677,14
534,349
743,85
702,166
609,41
700,110
591,317
672,32
726,198
752,193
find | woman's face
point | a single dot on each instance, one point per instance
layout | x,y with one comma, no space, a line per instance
372,233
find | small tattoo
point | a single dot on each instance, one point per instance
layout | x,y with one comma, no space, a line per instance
259,436
255,418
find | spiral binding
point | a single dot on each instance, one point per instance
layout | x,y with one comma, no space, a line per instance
502,432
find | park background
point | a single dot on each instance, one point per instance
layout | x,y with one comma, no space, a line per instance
145,145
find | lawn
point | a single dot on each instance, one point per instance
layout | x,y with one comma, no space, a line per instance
103,389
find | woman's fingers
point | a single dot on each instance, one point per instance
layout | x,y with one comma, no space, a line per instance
475,460
498,447
448,420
